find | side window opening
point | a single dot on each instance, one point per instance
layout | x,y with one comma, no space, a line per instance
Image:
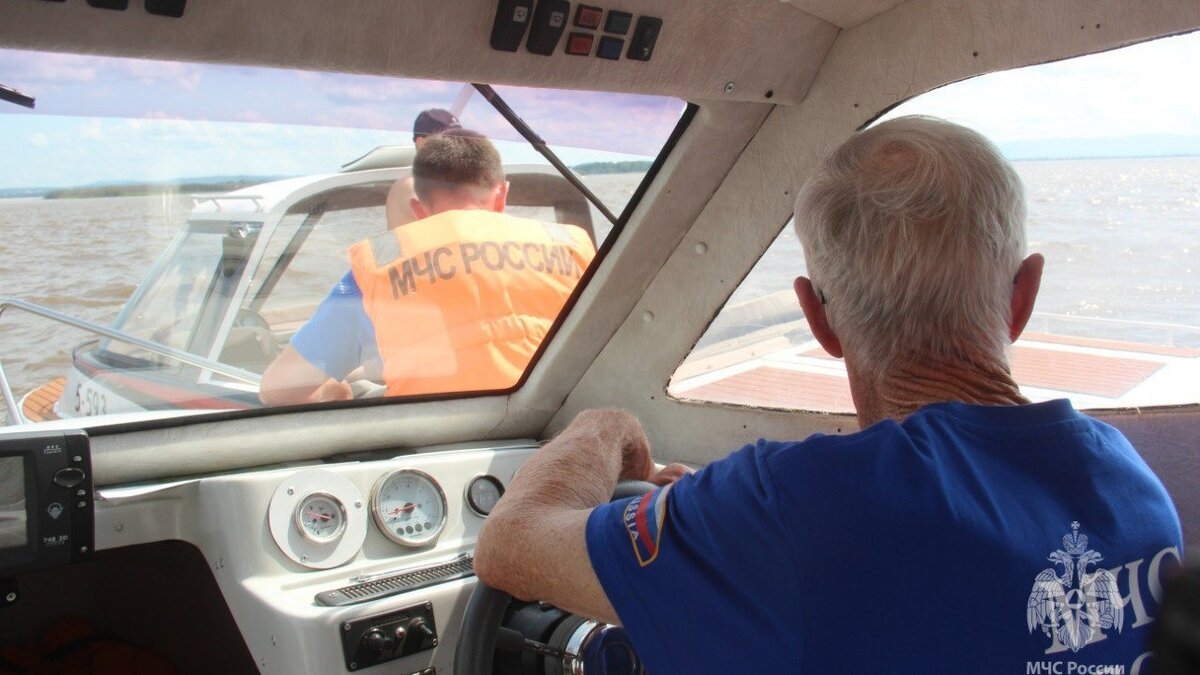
1113,195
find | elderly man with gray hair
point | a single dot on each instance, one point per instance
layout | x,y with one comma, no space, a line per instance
963,529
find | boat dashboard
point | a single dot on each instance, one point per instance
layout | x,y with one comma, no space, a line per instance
323,567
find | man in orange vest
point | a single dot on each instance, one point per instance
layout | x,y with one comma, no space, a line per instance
457,301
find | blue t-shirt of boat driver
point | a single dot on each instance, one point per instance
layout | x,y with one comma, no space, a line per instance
340,336
966,539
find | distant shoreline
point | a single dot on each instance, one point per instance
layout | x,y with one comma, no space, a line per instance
142,190
1102,158
227,184
133,189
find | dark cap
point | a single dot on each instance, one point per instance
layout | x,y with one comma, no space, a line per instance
434,121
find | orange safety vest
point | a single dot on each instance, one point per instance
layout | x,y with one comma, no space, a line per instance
462,299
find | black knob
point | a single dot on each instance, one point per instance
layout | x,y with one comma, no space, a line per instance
421,629
375,641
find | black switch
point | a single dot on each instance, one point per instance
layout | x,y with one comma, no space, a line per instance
69,477
549,21
512,18
171,8
119,5
641,45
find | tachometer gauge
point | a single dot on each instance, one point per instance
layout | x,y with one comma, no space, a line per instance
483,493
321,518
409,507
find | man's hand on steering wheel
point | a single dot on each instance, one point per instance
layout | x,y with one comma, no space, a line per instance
533,545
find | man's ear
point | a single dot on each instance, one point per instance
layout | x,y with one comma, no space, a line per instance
1025,290
418,208
814,312
500,197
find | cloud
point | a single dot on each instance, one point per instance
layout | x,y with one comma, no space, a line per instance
362,118
91,130
162,115
343,89
183,75
1125,92
39,140
32,71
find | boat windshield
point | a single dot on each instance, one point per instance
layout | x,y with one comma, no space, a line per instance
192,227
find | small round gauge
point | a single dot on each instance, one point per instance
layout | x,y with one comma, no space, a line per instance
321,518
409,507
483,493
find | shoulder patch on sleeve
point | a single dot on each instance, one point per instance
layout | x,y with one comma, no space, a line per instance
645,517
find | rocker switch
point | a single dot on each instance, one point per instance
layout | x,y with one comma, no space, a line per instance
645,35
512,18
549,21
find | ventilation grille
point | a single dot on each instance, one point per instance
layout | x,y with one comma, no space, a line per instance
398,583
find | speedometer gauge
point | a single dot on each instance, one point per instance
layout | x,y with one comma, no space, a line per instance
409,507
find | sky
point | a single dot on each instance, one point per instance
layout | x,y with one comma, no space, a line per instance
1142,90
102,119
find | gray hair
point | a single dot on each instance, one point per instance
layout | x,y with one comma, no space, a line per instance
913,231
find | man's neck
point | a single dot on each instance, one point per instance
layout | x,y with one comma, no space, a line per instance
913,384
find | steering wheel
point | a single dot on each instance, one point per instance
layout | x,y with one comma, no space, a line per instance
486,608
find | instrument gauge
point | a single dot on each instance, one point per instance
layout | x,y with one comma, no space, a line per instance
321,518
483,493
409,507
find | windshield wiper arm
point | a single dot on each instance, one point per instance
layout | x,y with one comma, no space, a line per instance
538,144
13,96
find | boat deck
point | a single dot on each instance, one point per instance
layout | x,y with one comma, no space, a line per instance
38,406
1092,373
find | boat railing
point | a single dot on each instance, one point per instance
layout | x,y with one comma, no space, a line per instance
187,358
1152,332
255,200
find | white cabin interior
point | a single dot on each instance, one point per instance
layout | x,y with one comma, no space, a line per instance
185,560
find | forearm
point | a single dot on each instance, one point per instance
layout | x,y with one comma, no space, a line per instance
580,467
533,545
291,379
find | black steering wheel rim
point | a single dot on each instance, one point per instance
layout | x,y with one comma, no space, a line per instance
485,610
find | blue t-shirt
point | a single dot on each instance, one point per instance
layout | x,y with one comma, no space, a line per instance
340,336
940,544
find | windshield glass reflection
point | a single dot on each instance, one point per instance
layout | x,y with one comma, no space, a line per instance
210,209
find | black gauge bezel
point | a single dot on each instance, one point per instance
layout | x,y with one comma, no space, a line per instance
475,508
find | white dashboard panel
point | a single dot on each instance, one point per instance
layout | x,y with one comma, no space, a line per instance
271,595
347,518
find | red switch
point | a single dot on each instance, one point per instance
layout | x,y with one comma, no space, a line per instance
579,44
588,17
